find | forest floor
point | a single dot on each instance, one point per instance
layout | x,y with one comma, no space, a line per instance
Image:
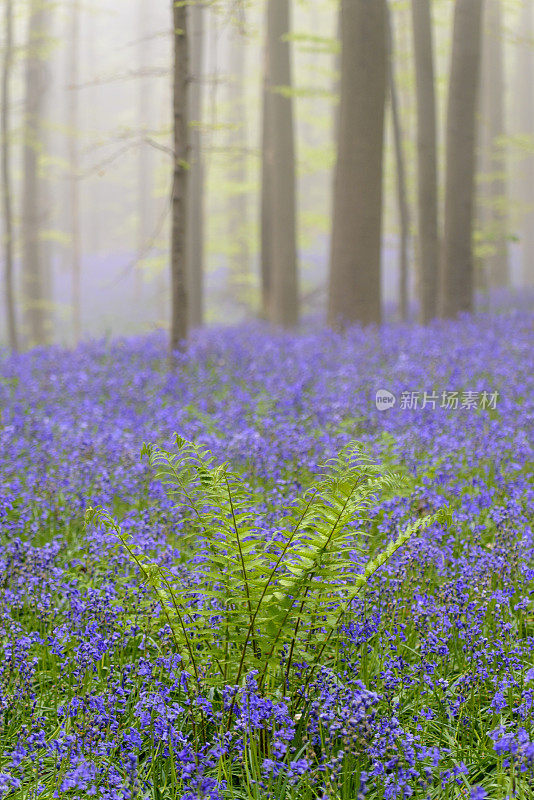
427,688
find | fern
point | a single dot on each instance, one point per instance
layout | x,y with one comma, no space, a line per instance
255,608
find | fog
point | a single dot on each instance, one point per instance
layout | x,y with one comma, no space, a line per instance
103,153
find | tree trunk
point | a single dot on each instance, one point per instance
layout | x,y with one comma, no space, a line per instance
179,311
278,200
525,125
402,199
6,180
74,169
354,292
427,183
144,161
492,165
457,274
265,202
237,174
36,288
195,219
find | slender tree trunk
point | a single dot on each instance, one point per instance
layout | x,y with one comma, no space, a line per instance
74,169
402,198
238,204
144,165
179,300
265,202
279,155
6,180
427,182
493,216
457,274
525,124
354,292
36,287
195,219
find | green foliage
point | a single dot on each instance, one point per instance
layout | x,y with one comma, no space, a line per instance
264,605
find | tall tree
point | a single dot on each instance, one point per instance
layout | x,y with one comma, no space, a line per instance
144,165
354,291
74,168
427,184
525,126
36,277
278,158
7,205
237,173
265,196
493,216
402,196
179,305
195,218
457,273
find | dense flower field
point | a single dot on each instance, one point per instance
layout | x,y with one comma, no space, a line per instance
429,692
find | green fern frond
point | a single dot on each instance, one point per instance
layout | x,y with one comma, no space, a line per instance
251,606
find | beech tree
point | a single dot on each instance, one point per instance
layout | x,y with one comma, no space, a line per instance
278,213
179,305
354,289
238,169
427,181
525,125
145,164
195,217
493,216
402,197
7,201
35,204
457,272
74,168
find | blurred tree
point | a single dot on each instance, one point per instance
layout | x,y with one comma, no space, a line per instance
426,160
354,292
145,164
278,211
74,167
456,290
35,200
265,198
402,197
525,123
195,216
179,299
7,204
238,171
492,156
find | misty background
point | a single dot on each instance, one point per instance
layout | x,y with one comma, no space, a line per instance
103,150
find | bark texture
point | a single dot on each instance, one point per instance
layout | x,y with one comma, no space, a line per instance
279,247
457,273
402,197
195,232
179,311
238,172
492,163
427,181
525,126
35,204
354,290
7,205
74,169
145,162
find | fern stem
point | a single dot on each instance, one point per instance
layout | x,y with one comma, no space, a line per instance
262,596
244,571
